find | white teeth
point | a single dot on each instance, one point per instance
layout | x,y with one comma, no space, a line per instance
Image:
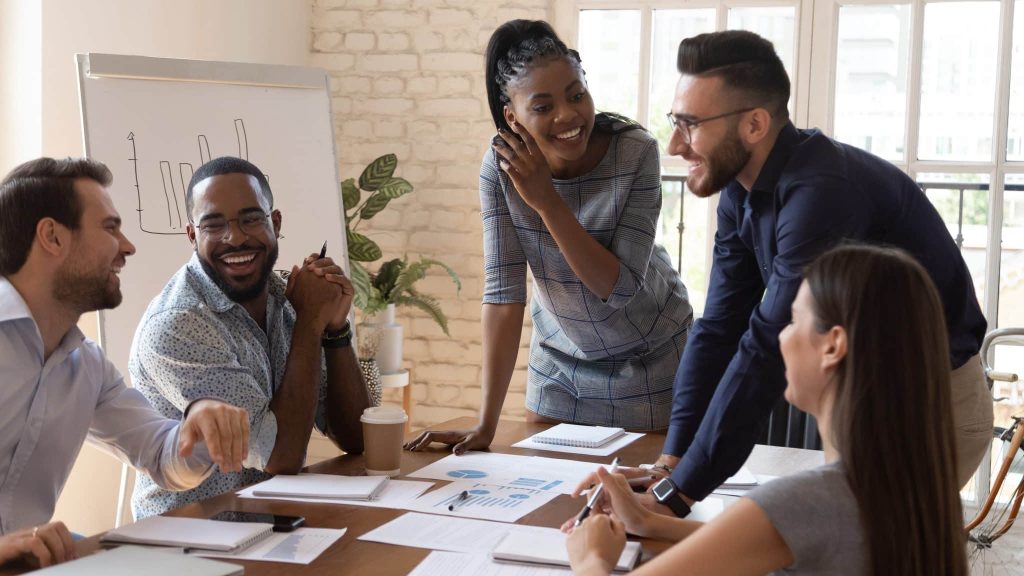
238,259
117,269
569,134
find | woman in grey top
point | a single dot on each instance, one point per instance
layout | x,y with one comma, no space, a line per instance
866,353
575,196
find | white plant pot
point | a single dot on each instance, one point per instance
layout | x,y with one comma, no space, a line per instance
389,353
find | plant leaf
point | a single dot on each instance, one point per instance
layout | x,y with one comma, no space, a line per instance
387,275
361,248
416,271
374,204
428,305
349,194
395,188
378,172
361,284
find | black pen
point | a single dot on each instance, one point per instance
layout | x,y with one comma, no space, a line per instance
594,496
459,500
323,251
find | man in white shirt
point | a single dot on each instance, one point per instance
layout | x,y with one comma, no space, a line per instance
61,250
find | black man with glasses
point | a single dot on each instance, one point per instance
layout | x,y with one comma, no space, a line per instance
226,327
788,195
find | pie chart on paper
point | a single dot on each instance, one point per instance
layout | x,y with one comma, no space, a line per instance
468,474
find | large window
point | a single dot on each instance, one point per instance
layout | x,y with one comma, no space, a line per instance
934,86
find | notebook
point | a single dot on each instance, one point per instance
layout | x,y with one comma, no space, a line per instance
547,546
191,533
579,436
133,560
322,486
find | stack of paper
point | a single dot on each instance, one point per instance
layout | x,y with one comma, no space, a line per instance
329,486
191,533
578,436
133,560
547,546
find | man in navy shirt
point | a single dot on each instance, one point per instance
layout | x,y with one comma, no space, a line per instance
787,196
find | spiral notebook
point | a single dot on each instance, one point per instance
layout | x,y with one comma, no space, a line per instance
191,533
547,546
579,436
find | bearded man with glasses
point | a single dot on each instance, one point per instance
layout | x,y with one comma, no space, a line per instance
788,195
226,327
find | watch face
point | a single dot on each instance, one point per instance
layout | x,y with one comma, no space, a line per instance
663,489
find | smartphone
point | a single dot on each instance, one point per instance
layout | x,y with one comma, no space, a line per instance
281,523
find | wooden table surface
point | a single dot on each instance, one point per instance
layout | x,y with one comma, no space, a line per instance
351,556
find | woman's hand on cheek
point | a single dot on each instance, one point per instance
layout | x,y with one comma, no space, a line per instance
524,163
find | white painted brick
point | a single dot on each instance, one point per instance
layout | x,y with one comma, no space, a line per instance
388,86
395,19
393,42
445,152
424,129
427,415
436,373
462,40
337,19
449,351
356,128
418,174
391,241
427,40
389,129
466,331
447,17
454,85
341,105
332,62
449,241
453,107
453,61
388,62
421,85
453,197
464,175
384,106
360,41
361,4
326,41
415,220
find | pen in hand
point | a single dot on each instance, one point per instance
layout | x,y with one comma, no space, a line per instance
462,497
323,251
594,496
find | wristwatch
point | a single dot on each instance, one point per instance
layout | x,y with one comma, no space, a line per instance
340,339
666,493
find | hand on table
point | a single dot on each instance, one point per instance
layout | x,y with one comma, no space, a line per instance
223,427
461,440
41,546
595,546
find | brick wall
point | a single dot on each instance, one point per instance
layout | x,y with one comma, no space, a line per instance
407,78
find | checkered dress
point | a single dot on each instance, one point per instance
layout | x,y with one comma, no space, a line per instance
593,361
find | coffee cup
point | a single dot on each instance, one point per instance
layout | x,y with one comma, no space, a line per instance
383,433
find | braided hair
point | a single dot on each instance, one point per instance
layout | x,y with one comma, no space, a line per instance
513,47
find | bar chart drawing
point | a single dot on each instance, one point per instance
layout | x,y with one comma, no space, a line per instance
468,474
488,496
169,200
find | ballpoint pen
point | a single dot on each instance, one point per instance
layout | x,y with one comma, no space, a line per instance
459,500
323,251
594,496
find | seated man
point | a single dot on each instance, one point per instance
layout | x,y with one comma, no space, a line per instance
225,327
61,249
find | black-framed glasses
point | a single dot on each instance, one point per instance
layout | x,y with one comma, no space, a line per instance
685,126
216,227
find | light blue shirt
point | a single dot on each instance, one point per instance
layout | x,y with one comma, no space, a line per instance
48,408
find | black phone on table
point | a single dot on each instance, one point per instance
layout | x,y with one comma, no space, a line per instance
281,523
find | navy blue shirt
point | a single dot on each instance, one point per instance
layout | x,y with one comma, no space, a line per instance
811,193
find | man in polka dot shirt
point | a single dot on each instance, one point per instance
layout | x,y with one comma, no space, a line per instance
226,327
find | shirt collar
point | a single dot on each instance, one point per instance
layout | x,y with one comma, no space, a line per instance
216,297
13,307
786,141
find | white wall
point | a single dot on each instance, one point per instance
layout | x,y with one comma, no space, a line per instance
40,113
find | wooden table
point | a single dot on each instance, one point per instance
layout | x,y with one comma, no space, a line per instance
351,556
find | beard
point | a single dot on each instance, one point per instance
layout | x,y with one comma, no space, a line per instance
721,166
84,290
246,292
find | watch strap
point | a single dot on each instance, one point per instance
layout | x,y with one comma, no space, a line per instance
338,339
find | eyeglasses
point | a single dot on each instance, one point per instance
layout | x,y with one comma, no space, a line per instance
686,126
250,223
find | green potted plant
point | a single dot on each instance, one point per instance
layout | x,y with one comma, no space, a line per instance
394,282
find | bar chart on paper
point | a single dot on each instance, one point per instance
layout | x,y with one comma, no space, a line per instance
487,501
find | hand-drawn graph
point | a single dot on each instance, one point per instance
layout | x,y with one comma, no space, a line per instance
488,496
162,210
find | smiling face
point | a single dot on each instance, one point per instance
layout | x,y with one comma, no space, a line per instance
238,261
552,103
809,355
88,279
716,152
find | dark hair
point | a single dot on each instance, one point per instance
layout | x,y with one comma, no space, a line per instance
512,48
746,63
892,418
37,189
227,165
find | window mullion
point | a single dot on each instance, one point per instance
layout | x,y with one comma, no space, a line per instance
643,97
913,125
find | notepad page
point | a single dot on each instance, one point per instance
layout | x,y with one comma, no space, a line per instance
322,486
577,435
190,533
547,546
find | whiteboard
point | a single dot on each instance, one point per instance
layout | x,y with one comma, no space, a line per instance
154,121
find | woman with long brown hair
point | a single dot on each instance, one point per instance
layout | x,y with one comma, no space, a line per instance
867,354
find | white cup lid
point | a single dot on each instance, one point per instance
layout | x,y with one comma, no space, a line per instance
384,415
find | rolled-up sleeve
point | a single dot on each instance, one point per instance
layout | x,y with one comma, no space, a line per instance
185,358
633,240
504,259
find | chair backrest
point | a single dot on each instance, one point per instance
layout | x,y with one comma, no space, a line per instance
790,427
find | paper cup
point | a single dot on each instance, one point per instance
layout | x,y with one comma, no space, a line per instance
383,433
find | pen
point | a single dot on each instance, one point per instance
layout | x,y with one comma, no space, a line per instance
463,496
323,251
594,496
